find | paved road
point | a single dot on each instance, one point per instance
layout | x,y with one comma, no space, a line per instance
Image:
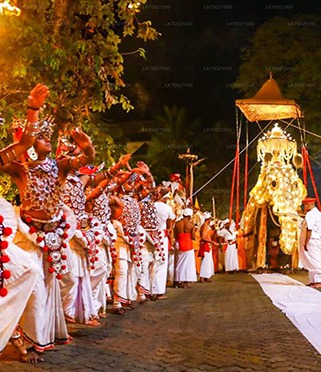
226,325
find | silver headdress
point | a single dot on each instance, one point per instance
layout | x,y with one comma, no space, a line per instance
65,146
46,127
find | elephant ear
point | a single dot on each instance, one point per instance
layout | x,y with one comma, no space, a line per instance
297,161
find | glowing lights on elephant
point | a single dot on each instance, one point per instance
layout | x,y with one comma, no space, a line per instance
279,185
278,144
134,5
7,9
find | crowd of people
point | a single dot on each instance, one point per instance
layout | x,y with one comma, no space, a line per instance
83,237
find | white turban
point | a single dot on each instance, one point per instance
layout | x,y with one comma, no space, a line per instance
223,223
188,212
207,215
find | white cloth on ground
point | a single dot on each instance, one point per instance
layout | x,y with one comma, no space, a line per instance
300,303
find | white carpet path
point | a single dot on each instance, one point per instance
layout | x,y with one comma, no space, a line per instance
301,304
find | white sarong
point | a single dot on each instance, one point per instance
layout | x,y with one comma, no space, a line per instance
185,267
207,266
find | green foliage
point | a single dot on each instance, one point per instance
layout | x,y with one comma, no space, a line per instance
170,139
75,48
173,134
7,189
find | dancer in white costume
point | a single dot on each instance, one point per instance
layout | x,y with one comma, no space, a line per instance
127,267
205,251
310,242
153,250
97,204
98,276
17,280
43,227
166,219
130,240
18,273
76,288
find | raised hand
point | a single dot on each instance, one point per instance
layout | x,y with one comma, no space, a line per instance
123,160
38,96
143,167
138,170
84,142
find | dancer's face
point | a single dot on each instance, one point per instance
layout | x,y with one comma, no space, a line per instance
42,145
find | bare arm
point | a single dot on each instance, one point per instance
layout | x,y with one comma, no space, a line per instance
193,233
170,228
87,156
149,177
206,235
307,238
112,171
13,152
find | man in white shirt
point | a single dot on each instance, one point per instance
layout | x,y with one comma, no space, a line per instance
310,242
227,231
166,218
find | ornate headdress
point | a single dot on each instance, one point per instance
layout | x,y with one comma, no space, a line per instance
46,127
65,146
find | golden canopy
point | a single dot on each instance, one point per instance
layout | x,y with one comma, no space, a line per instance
269,104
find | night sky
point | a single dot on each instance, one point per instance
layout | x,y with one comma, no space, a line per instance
194,64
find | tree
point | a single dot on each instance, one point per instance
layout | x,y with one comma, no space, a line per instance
173,134
172,137
75,47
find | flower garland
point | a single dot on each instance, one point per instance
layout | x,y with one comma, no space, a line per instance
4,258
52,242
156,235
131,218
149,223
136,243
93,238
111,240
101,210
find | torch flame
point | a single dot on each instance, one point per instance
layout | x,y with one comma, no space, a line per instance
7,9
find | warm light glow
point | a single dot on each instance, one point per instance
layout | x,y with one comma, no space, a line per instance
134,5
278,144
279,185
7,9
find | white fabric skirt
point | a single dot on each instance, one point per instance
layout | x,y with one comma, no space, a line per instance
185,267
207,266
43,321
20,286
231,258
